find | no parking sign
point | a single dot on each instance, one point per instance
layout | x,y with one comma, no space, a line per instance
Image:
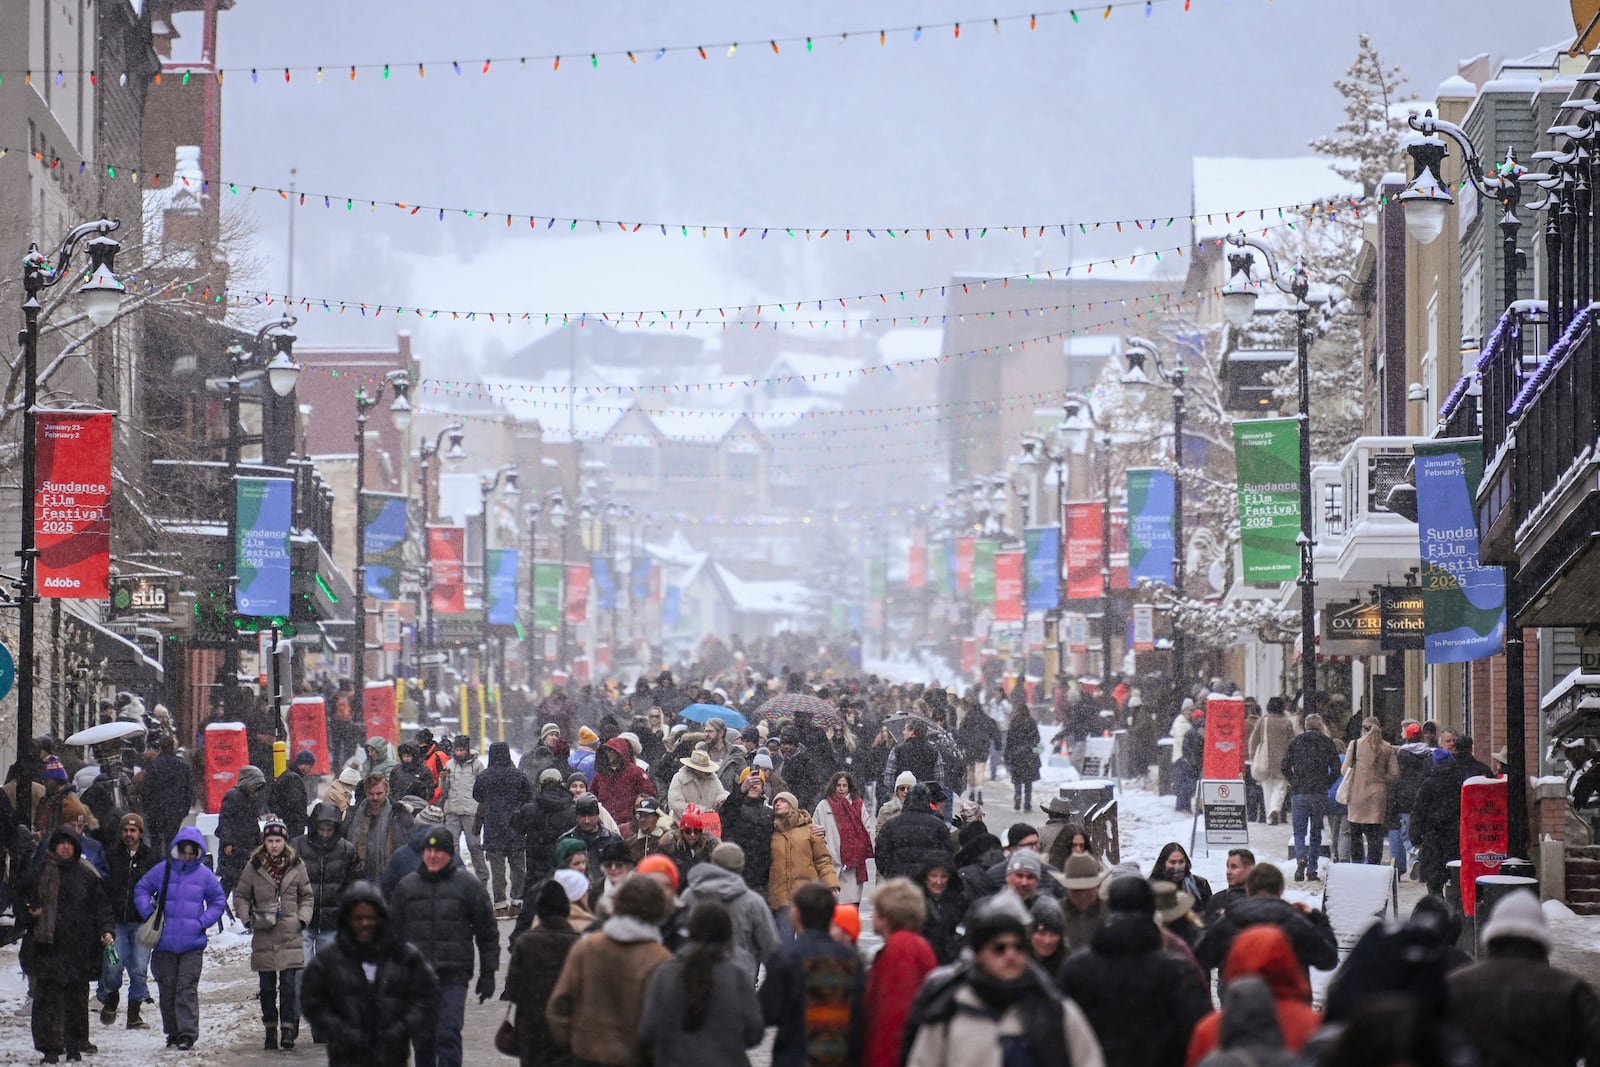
1224,813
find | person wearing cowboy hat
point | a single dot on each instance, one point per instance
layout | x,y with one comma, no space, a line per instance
1081,877
1175,912
695,783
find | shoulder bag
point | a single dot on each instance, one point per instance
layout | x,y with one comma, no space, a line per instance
1342,795
505,1038
149,933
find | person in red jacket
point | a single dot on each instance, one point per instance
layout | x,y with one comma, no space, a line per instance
619,782
1264,950
898,911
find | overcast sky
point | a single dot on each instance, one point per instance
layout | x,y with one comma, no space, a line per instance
1096,120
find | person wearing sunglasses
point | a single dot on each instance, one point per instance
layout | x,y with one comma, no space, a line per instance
999,1007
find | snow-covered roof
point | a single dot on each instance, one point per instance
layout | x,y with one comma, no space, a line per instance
765,597
1229,183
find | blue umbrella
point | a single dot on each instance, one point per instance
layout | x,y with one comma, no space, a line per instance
701,712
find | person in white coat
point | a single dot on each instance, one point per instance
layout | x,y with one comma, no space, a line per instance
696,783
842,818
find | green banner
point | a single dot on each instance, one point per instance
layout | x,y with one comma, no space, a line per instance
939,565
1267,454
877,579
983,572
546,596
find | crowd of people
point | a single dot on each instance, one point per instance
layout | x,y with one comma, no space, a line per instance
677,887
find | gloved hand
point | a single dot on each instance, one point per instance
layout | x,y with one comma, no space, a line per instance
485,988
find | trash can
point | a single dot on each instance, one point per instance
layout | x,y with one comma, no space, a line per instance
1087,793
1164,757
1492,889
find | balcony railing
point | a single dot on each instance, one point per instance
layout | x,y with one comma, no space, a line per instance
1553,415
1507,358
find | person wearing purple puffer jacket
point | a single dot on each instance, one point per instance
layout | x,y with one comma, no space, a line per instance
191,901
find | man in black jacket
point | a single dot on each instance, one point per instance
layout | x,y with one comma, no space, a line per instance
126,863
1310,765
595,837
541,822
1308,930
915,754
370,1021
441,909
913,839
166,793
1127,968
289,800
239,824
804,772
333,866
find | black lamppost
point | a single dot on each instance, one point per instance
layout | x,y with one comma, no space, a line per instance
1238,304
533,645
426,451
1074,406
400,415
282,374
1137,378
558,522
1426,202
102,294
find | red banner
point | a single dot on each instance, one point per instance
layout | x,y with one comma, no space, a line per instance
577,593
1084,524
1483,834
72,504
916,567
655,583
447,547
1008,587
1119,548
1224,752
965,547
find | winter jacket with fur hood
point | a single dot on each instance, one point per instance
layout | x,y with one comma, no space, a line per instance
798,856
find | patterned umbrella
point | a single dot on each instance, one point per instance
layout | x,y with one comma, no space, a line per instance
787,705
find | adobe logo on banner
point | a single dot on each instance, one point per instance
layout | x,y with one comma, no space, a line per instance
72,504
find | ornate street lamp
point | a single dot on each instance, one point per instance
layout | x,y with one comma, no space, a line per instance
400,415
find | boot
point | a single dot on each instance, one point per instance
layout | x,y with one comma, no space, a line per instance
134,1022
286,1037
1300,870
272,1034
108,1009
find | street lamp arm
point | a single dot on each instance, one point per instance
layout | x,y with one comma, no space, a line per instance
38,273
285,323
1496,187
1297,283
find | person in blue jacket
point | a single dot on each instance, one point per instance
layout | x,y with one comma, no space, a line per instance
193,903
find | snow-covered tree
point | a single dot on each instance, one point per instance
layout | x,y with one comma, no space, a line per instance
1364,144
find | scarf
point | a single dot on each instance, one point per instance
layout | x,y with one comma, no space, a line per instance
855,844
275,868
44,931
369,829
1044,1037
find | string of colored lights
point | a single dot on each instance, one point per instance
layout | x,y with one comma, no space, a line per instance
775,45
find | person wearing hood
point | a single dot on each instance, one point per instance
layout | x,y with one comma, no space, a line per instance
192,900
597,1004
408,857
1263,950
456,788
380,757
275,901
914,838
411,777
619,782
500,792
898,912
378,826
332,866
695,783
755,936
68,925
700,1008
1512,1005
945,903
1126,968
1306,928
975,1013
239,823
537,958
541,822
798,856
1249,1034
369,993
166,793
442,910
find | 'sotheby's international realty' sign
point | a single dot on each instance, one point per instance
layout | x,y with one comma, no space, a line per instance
72,504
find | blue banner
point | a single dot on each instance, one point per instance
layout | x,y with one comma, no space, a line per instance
501,598
669,606
1041,572
383,517
1150,526
605,584
261,546
639,587
1463,602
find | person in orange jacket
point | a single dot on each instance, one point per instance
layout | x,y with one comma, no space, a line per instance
1263,950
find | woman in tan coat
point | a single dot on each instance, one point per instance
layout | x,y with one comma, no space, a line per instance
1371,765
274,899
799,855
1269,740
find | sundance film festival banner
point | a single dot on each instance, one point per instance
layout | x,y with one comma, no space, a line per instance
1463,602
1085,526
501,583
546,596
1267,453
965,548
983,572
1043,576
577,593
447,547
1008,587
916,566
1150,526
261,546
383,518
72,504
